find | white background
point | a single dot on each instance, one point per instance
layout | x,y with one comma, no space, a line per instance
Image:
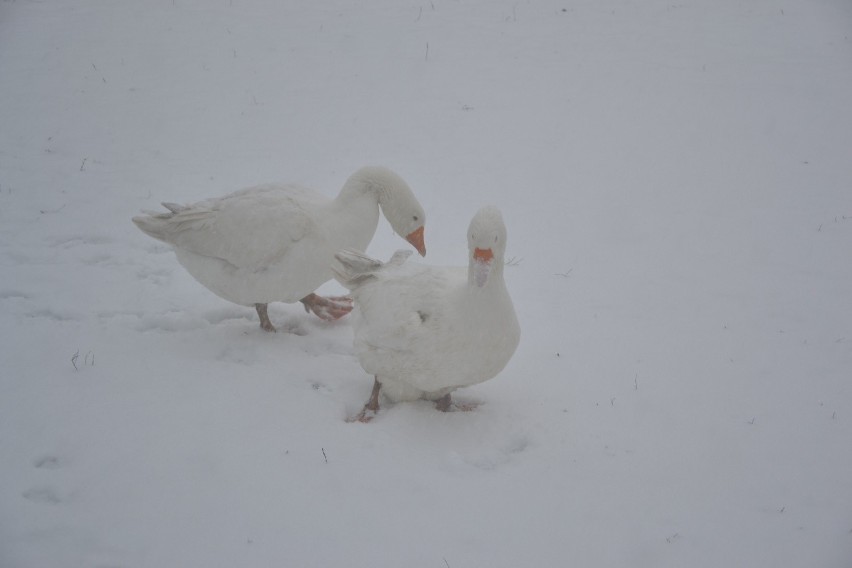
675,178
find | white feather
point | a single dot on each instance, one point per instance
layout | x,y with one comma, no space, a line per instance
425,331
276,242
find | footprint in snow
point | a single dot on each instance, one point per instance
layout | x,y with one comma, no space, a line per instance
496,457
55,315
102,260
48,462
45,494
77,240
155,275
42,494
321,387
173,321
224,314
13,295
291,326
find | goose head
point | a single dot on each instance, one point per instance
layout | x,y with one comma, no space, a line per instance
486,242
399,206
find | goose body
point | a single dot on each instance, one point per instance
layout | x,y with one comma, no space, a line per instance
426,331
276,242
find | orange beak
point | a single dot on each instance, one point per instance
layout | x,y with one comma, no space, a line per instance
483,255
416,240
482,265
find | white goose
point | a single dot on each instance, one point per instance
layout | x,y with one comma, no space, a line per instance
423,331
276,242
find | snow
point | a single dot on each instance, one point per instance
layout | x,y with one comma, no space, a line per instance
675,181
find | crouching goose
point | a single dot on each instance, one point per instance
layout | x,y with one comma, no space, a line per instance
424,331
275,243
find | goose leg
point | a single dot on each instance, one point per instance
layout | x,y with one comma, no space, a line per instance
373,403
329,309
265,324
372,407
446,404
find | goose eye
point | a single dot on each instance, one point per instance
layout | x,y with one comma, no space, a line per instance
416,218
495,239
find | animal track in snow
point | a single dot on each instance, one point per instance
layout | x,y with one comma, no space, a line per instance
321,387
505,452
155,248
77,240
55,315
293,327
156,275
172,321
224,314
13,295
42,494
111,314
103,260
48,462
45,494
516,445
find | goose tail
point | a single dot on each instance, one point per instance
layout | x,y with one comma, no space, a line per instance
354,268
164,225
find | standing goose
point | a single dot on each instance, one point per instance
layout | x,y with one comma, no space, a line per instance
275,243
424,331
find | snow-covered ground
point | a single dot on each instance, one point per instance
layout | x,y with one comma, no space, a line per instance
676,179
